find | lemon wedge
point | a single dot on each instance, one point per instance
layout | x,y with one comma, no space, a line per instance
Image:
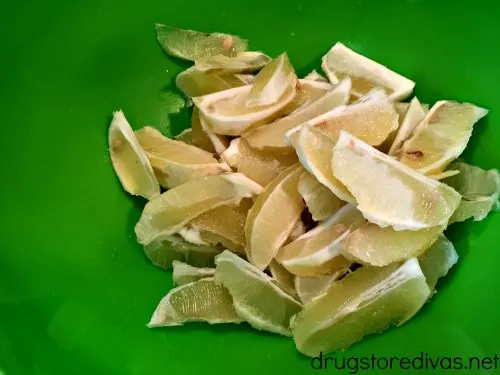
389,193
130,162
366,74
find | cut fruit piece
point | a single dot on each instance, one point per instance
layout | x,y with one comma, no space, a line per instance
232,112
320,201
314,150
366,74
259,165
315,76
372,119
273,135
243,62
298,230
443,175
272,83
204,138
130,162
441,137
319,251
388,192
166,249
172,210
284,278
199,301
256,297
174,162
437,260
309,288
184,273
224,225
185,136
365,302
273,217
413,116
194,83
308,92
370,244
479,188
193,45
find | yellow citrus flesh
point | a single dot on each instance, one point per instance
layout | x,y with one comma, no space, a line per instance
368,301
479,188
164,250
315,76
319,251
243,62
265,234
372,245
437,260
443,175
413,116
441,137
199,301
366,74
193,82
225,225
204,138
284,278
185,136
172,210
387,192
256,297
262,166
130,162
273,135
184,273
174,162
310,288
320,201
314,150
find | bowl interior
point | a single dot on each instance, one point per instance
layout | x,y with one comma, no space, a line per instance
76,290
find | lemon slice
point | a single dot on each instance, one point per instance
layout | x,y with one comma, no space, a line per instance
199,301
204,138
183,273
185,136
272,83
413,116
310,288
232,112
193,45
441,136
319,251
243,62
315,76
130,162
365,302
320,201
479,188
372,119
366,74
192,82
174,162
389,193
437,260
259,165
273,135
256,297
265,234
284,278
372,245
166,249
176,207
224,225
314,150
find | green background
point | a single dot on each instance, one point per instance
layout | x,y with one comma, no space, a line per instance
76,289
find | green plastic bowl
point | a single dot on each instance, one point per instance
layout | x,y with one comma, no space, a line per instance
76,290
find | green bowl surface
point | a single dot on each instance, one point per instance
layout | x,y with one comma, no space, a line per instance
76,289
